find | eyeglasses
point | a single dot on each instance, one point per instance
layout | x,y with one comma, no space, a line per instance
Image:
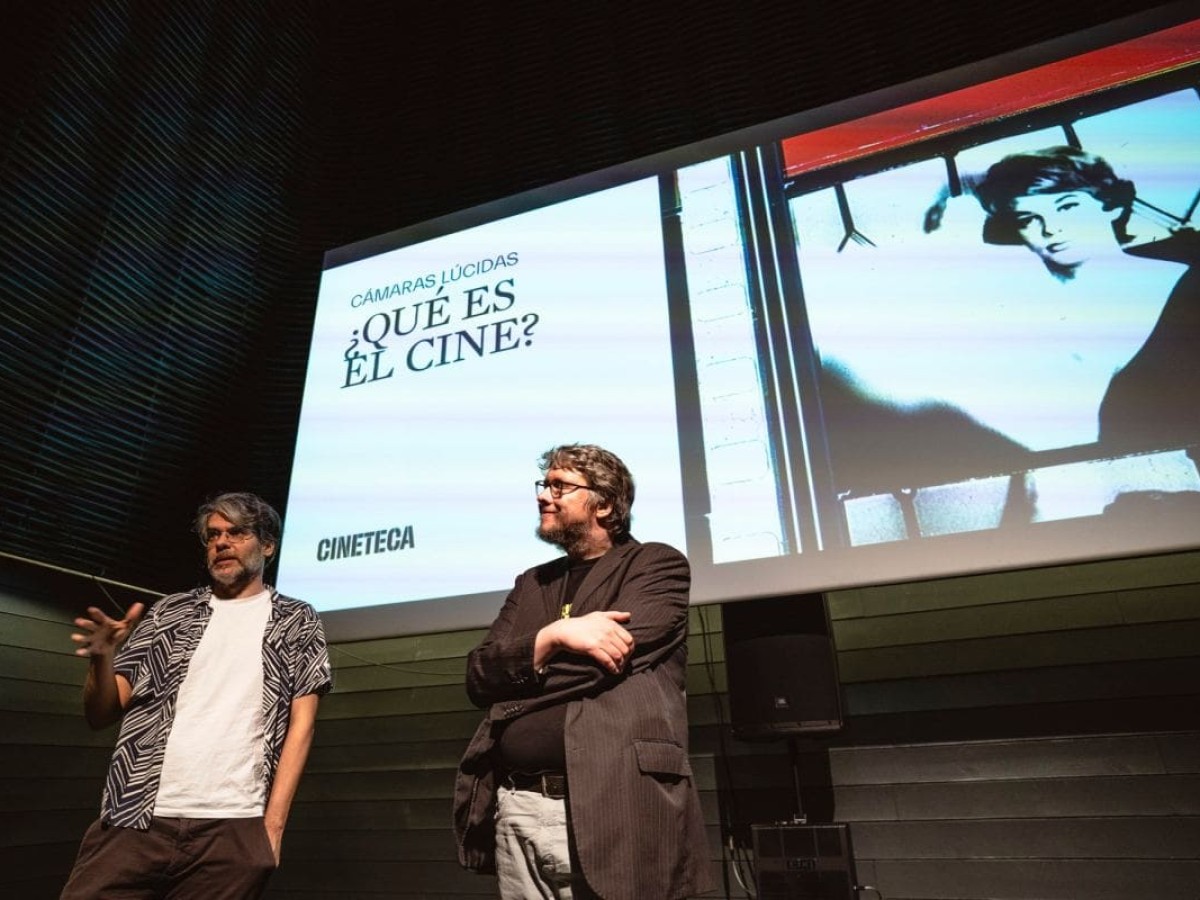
558,488
238,534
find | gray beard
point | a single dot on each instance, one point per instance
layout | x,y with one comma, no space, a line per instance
230,583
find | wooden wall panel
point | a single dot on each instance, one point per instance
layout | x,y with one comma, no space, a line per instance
1028,838
1055,648
1087,879
1092,795
51,763
1097,578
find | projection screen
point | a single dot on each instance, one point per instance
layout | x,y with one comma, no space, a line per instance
948,328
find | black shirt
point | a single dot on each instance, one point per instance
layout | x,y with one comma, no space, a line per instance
534,743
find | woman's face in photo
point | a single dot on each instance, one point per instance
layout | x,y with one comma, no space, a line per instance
1065,230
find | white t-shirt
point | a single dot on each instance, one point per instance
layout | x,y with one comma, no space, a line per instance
214,767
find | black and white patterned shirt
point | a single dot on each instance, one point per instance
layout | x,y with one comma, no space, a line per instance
155,662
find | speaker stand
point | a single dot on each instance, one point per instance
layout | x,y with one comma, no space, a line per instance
798,817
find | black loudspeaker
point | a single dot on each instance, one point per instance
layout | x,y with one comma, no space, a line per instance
781,666
804,862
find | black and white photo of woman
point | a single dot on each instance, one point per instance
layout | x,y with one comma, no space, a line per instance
1073,212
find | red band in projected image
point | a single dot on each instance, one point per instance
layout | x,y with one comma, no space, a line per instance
1074,77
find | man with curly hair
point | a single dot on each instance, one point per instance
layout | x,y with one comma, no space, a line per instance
577,783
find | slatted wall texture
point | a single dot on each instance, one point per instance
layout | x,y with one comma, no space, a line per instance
152,155
1027,735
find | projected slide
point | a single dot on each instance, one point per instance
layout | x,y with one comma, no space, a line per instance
951,333
441,371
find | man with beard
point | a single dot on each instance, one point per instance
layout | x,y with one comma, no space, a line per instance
577,783
216,690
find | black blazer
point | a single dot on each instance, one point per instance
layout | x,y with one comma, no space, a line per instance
635,811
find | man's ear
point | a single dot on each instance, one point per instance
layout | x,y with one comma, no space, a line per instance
268,549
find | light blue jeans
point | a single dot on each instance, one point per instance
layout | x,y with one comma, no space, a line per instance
534,856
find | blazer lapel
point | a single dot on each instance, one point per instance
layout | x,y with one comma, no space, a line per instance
592,595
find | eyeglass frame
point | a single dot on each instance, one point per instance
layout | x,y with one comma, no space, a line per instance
236,534
557,492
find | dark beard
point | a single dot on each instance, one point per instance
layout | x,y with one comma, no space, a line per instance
571,537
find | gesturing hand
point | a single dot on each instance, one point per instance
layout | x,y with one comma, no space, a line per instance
101,635
598,635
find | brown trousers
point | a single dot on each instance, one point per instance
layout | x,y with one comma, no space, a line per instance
176,859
